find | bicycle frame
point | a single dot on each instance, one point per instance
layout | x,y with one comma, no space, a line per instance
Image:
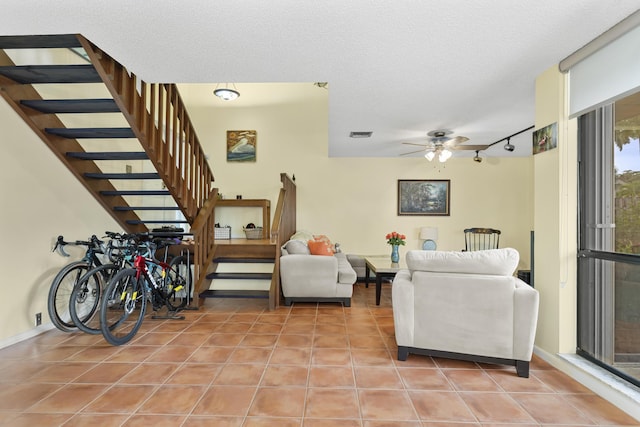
141,264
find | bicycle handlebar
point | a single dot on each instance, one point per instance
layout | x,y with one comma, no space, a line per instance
93,242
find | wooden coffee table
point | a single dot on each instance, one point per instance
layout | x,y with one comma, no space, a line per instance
383,268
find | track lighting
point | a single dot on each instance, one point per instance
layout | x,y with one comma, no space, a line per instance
477,157
509,146
225,93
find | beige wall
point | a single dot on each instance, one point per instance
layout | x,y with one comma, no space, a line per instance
40,200
352,200
555,199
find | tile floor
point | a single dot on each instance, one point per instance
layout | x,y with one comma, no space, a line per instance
232,363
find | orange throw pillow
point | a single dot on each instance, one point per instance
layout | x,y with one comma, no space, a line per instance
320,248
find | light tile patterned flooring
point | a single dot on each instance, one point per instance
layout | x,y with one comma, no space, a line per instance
232,363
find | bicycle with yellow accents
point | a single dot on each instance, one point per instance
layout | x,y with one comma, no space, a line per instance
125,299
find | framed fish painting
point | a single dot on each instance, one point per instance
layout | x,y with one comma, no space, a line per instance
241,145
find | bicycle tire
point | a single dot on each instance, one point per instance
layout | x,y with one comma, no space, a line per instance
179,283
60,292
123,307
84,302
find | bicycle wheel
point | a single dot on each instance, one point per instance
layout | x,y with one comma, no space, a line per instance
122,307
178,283
85,298
60,292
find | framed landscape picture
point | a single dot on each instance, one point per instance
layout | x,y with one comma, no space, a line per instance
241,145
424,197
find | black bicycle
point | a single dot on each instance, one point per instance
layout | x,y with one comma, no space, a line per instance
67,278
85,298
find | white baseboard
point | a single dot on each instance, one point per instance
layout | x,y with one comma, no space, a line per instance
26,335
617,391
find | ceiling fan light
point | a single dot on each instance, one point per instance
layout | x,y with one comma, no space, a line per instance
444,155
430,155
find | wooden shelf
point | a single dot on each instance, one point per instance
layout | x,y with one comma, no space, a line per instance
247,203
265,204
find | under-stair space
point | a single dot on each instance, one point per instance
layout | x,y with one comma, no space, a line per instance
130,143
51,83
133,147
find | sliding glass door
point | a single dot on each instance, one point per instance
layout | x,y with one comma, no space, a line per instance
609,237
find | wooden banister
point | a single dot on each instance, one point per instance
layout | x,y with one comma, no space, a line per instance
157,115
282,228
158,118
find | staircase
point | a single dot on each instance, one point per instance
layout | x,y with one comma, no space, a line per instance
130,143
251,268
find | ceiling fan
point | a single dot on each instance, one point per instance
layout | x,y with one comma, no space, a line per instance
441,144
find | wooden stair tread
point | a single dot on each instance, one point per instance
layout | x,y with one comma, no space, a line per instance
53,106
227,293
39,42
144,175
157,221
243,260
239,276
35,74
109,155
135,193
74,133
146,208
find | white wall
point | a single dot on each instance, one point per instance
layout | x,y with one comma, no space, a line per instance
352,200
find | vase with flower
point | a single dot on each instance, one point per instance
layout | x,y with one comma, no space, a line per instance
395,240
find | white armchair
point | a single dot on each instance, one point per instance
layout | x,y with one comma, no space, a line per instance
465,305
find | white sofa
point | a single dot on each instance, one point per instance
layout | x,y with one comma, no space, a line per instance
465,305
314,278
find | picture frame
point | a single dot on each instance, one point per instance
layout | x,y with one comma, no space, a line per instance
545,139
242,145
426,197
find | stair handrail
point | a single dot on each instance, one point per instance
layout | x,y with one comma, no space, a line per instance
158,117
283,227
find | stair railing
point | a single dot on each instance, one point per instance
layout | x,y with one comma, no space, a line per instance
158,117
282,228
203,229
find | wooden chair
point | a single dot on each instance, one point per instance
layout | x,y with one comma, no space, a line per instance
478,239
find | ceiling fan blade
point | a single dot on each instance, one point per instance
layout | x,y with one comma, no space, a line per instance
457,140
413,152
469,147
419,145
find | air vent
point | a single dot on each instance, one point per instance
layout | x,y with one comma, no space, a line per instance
360,134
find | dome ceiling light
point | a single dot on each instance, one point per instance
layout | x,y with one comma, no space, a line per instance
225,93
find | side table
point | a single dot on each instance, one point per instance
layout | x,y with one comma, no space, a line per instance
383,268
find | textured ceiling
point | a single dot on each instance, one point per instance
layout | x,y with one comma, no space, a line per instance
399,68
